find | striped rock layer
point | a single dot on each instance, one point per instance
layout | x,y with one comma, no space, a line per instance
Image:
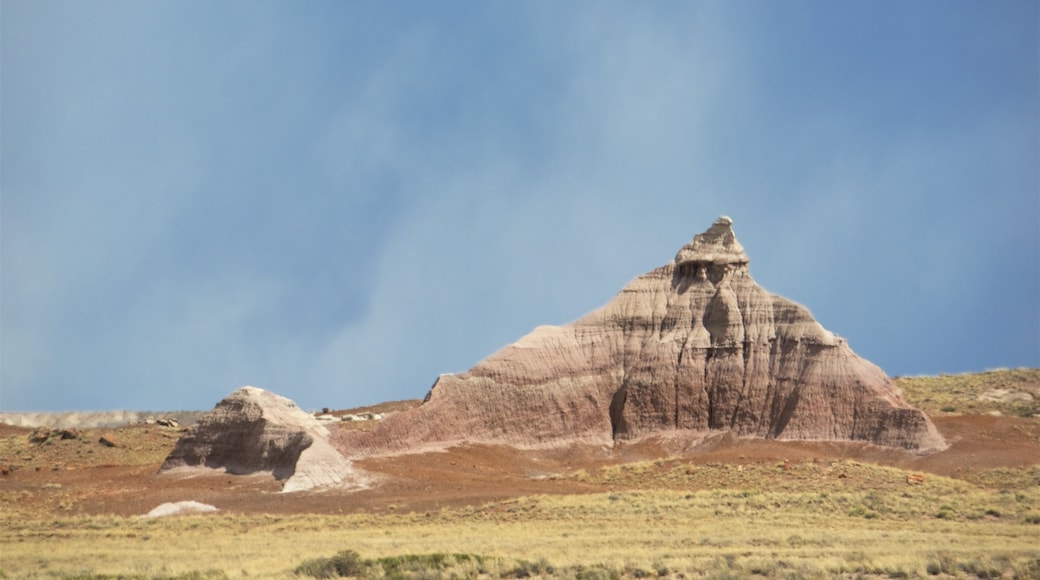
695,346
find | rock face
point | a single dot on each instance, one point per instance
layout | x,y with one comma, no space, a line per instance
253,430
693,346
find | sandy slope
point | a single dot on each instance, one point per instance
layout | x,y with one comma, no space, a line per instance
81,476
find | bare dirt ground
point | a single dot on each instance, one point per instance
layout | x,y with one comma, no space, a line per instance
79,475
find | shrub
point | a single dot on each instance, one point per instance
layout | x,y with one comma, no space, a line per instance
1029,569
349,564
410,565
981,569
595,573
525,569
944,515
345,563
942,565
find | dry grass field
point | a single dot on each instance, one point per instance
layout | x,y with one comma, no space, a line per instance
730,508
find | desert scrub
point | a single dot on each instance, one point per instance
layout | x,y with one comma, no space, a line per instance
679,474
983,566
1009,391
349,563
346,563
625,534
193,575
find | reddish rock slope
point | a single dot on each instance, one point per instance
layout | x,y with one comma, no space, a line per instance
693,346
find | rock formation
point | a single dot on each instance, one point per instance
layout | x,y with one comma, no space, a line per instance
691,348
253,430
180,507
694,346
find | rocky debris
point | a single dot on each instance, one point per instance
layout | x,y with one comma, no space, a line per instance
162,422
42,435
253,430
92,419
1006,396
180,507
363,417
695,346
109,440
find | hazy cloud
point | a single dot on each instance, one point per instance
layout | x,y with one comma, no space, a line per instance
340,204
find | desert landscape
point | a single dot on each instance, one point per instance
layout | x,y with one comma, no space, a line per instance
728,507
453,290
696,426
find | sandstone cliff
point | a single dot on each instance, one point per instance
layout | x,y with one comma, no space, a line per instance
253,430
693,346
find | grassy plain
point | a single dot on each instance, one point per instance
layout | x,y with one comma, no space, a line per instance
670,517
942,527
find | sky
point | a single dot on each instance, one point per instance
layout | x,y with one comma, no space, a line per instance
338,201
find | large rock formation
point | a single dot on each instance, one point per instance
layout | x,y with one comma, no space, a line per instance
253,430
694,346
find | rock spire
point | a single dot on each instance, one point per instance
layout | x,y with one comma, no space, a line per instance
690,348
694,346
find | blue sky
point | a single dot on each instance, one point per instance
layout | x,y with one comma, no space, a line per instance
338,201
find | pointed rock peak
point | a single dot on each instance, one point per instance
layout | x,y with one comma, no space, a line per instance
718,245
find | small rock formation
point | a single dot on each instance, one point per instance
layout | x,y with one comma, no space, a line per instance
42,435
179,507
253,430
694,346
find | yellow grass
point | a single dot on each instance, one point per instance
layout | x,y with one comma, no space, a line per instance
897,533
667,518
1014,392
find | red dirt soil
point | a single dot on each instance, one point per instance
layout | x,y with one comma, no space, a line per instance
78,476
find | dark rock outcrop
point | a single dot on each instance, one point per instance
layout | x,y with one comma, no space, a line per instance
694,346
253,430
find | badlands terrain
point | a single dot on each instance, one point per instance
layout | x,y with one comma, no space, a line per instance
729,507
695,426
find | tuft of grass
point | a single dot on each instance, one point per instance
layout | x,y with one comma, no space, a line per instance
420,565
982,566
343,564
525,569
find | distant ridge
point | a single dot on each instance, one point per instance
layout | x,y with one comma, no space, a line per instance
92,419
